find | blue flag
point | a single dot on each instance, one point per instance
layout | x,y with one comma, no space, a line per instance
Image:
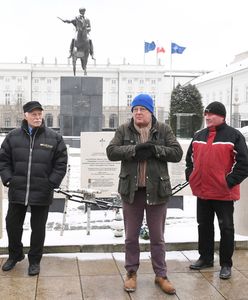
177,49
149,46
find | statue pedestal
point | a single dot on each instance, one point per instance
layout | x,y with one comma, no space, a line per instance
80,105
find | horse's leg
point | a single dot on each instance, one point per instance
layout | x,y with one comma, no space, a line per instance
83,64
74,60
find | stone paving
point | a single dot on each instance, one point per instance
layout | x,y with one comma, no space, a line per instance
99,276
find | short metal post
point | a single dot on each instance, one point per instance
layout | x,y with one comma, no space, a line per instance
88,218
88,208
66,200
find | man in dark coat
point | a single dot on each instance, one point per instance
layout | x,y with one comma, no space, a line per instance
33,161
216,164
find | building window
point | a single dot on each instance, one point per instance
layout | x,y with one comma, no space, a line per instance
129,99
7,122
18,122
228,97
19,98
207,98
141,81
153,81
129,81
49,81
113,121
246,94
49,120
154,100
7,79
7,98
220,96
113,81
36,80
19,79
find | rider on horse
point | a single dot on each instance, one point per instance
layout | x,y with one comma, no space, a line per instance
80,22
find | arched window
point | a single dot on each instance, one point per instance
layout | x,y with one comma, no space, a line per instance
113,121
49,120
7,122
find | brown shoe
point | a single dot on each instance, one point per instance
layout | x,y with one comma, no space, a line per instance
130,282
165,285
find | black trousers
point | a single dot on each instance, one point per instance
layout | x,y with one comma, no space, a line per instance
206,210
14,225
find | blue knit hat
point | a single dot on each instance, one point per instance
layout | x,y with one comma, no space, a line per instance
143,100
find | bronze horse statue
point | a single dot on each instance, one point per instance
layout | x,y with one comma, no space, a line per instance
81,49
80,45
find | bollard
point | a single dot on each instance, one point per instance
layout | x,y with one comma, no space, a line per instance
1,209
241,210
117,224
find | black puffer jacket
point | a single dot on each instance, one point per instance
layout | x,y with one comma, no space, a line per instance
32,166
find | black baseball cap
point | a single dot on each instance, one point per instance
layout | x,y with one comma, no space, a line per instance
31,105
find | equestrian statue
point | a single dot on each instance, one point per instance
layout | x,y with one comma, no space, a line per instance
81,46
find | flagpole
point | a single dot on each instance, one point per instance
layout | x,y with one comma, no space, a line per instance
170,68
144,61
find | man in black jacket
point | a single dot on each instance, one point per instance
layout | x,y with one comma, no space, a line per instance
33,162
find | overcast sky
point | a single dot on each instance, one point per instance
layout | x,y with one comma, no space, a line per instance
212,31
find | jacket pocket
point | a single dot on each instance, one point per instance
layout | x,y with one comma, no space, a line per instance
124,184
164,187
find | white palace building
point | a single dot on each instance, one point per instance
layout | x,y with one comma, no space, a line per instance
22,82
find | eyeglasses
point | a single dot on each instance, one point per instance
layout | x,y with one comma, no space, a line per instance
139,109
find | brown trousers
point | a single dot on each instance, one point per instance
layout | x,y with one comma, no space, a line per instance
133,217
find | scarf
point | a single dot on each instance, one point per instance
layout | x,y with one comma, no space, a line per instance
144,135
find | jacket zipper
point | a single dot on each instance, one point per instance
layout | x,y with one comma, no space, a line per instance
31,143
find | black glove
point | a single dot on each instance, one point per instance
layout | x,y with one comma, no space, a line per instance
144,151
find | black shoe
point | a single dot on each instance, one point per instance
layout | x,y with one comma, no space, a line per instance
201,264
34,269
10,263
225,272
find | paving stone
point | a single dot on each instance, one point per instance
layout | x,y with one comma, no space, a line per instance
96,267
17,288
58,266
63,288
234,288
194,286
103,287
240,260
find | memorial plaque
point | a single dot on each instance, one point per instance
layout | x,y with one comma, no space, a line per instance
101,174
177,170
97,172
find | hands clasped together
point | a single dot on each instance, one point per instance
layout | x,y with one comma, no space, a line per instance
144,151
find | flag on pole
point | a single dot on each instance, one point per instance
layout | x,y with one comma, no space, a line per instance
149,46
160,50
177,49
